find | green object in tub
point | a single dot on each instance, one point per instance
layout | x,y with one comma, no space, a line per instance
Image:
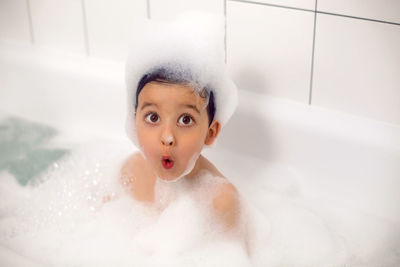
22,148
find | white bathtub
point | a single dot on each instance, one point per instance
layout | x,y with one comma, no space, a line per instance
333,157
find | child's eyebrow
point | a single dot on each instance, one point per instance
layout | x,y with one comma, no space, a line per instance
191,107
146,104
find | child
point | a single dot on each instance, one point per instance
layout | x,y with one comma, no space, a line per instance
173,123
179,97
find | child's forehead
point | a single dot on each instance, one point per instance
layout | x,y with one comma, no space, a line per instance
167,92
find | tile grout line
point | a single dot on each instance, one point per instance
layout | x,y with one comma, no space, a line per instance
312,55
85,28
318,12
148,9
225,32
359,18
273,5
28,6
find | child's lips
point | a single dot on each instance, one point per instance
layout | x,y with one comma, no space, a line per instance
167,162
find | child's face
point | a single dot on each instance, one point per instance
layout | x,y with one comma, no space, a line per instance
172,127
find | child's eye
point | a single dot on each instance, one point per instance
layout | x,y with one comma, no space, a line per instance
186,120
152,118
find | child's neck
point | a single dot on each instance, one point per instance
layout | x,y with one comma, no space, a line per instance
200,164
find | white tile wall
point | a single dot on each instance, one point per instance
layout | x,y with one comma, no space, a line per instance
58,24
305,4
110,26
387,10
270,49
168,9
14,21
357,67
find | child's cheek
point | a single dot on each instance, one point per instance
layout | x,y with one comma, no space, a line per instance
147,144
151,148
192,146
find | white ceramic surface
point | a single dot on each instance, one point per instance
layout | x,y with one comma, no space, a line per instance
110,25
357,67
166,10
269,49
59,24
14,21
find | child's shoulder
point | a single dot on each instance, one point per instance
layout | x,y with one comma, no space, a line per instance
224,186
135,165
209,167
137,175
225,197
226,203
135,161
130,162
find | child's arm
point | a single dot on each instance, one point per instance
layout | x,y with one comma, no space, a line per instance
226,205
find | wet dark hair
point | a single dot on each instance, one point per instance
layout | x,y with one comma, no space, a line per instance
163,75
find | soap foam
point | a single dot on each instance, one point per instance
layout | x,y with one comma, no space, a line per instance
79,214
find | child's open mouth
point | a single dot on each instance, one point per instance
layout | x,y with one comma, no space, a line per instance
167,162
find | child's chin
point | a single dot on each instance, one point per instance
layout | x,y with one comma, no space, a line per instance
168,177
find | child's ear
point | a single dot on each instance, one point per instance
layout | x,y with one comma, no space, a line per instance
213,132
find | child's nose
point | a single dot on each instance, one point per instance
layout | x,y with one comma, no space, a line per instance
167,138
168,141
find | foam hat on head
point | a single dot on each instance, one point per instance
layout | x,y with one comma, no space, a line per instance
191,49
